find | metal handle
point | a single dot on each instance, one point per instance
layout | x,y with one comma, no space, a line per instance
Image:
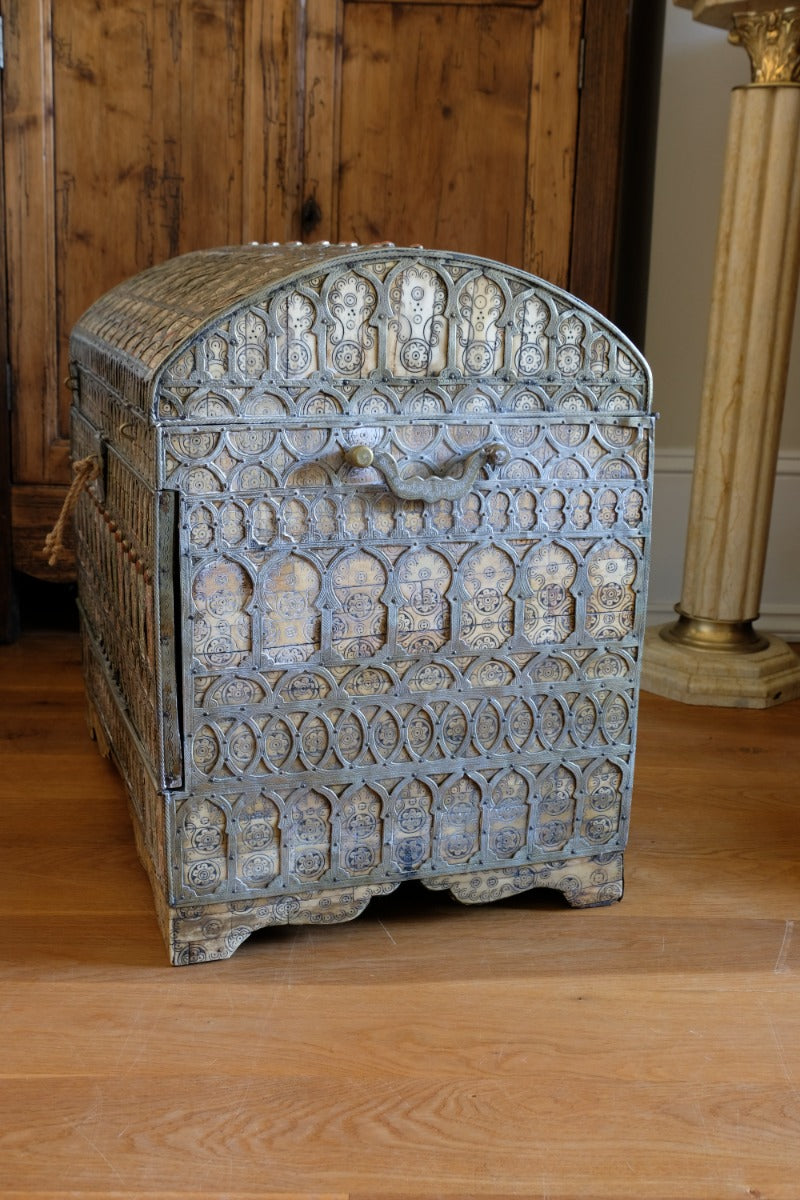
433,487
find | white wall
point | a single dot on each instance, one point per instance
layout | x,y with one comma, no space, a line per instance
699,70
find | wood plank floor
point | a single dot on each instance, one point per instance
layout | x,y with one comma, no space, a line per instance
647,1050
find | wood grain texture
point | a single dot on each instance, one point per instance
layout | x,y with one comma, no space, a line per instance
131,134
272,122
39,445
597,183
322,116
34,512
9,614
645,1051
554,105
439,142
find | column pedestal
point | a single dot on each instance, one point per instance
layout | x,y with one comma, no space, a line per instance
712,654
760,680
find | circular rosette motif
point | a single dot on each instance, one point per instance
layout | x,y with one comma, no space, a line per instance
551,669
360,831
348,358
423,618
551,722
584,720
521,723
384,732
359,859
303,686
298,357
238,691
556,808
491,673
478,358
488,722
291,626
351,738
414,356
459,821
222,592
505,842
616,718
550,612
202,524
419,732
307,440
278,744
430,677
308,864
552,835
608,665
530,359
205,750
598,829
367,681
486,613
411,821
453,730
316,734
409,853
308,834
257,824
359,617
507,813
196,445
611,571
243,745
603,786
203,845
203,875
416,437
258,870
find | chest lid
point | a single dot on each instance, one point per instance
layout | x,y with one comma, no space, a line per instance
244,332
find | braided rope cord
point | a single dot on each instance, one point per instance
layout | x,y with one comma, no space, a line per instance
84,471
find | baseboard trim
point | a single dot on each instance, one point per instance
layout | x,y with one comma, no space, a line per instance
780,614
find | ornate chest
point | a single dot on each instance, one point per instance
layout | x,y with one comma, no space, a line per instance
362,580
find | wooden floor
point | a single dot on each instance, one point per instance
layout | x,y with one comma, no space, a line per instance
650,1049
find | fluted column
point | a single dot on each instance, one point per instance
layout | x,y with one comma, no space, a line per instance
713,654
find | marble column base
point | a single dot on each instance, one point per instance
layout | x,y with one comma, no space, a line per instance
722,679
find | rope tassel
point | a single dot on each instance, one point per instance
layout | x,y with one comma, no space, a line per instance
84,471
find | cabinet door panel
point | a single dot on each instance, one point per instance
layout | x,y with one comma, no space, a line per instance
125,135
453,124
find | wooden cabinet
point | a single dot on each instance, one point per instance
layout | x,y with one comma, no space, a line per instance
135,133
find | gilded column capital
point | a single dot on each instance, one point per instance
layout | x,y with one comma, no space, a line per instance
772,40
768,30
